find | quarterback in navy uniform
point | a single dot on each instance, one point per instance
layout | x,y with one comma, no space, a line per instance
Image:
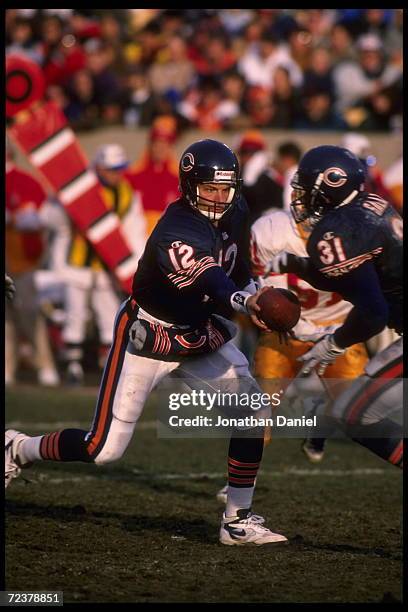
192,275
355,249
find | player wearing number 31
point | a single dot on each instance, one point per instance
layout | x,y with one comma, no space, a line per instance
192,272
355,249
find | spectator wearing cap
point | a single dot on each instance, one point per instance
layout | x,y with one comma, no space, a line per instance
154,176
89,286
355,81
361,146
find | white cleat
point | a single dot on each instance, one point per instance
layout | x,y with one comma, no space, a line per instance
312,452
12,465
222,495
247,528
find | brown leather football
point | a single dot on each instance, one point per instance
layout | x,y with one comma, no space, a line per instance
280,309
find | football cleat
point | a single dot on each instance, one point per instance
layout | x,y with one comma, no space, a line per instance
247,528
222,495
12,465
313,448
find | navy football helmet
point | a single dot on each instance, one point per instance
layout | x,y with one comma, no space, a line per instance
209,161
327,177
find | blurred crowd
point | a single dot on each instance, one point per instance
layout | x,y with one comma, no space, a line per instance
230,69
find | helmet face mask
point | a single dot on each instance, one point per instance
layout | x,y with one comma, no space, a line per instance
307,205
327,178
212,163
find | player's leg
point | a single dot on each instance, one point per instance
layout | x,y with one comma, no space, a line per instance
275,364
348,366
370,410
126,382
229,367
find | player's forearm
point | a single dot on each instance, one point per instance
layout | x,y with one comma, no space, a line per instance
304,268
220,288
360,325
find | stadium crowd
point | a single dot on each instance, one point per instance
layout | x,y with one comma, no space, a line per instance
314,69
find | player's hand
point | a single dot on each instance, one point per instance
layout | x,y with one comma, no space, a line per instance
281,263
253,308
306,331
320,356
10,288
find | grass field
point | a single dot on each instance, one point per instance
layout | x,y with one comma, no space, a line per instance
145,529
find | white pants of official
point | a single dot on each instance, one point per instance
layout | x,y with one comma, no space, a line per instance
85,289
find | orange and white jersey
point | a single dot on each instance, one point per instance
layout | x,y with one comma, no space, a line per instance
275,233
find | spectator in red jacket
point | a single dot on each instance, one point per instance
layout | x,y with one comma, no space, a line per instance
155,174
26,332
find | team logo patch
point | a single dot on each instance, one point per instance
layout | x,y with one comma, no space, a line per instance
187,163
334,177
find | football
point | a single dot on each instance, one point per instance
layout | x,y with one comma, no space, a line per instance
280,309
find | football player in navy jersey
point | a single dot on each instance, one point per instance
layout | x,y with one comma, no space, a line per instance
191,276
355,249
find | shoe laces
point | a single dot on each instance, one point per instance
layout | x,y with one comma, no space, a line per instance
257,518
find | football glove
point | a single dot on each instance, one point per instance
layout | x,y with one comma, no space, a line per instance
10,288
320,356
306,331
282,263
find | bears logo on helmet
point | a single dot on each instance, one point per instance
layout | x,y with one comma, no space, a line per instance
327,177
209,161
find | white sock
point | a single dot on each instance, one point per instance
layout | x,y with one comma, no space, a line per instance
28,449
238,498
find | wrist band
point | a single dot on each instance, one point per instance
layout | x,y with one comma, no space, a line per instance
238,301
